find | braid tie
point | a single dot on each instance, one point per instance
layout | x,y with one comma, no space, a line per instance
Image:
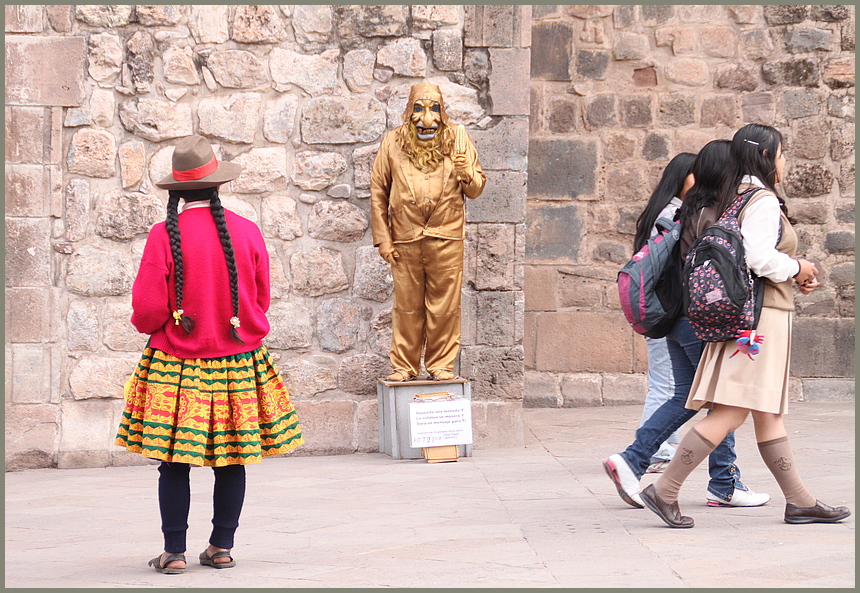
227,246
172,226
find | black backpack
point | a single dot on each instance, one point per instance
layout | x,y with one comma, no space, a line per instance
722,296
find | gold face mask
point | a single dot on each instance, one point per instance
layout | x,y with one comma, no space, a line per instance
427,119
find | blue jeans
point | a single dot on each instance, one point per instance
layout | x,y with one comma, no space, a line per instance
661,386
685,350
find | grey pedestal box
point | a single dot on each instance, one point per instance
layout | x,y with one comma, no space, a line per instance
393,399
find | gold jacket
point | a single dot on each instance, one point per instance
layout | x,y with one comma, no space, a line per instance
394,212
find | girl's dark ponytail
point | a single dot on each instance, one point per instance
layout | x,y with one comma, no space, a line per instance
227,246
172,225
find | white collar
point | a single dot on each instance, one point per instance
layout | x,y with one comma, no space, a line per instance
198,204
753,180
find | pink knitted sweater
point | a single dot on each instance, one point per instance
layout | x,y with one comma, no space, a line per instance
206,287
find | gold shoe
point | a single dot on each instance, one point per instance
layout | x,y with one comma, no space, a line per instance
442,375
399,375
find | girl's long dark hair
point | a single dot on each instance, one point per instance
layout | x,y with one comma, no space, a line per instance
754,149
713,171
172,224
669,186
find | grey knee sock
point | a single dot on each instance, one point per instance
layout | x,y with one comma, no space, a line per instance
693,449
778,457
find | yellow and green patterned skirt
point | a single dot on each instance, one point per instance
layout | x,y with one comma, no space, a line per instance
208,411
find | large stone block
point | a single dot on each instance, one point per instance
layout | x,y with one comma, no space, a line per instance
509,68
405,56
540,288
258,24
342,120
566,342
809,140
156,120
92,153
312,24
624,389
495,257
30,314
822,347
35,373
339,324
736,77
236,69
314,170
579,390
497,425
88,434
554,233
682,40
758,108
317,272
28,252
688,72
785,15
379,336
24,19
328,426
503,146
839,242
592,63
828,390
448,49
600,112
503,198
123,215
540,390
800,72
32,436
372,280
839,73
101,377
45,70
498,25
358,69
807,180
292,325
496,312
119,334
316,74
307,377
357,21
235,119
209,24
550,52
561,169
281,218
28,190
366,426
496,373
26,130
263,169
82,325
357,374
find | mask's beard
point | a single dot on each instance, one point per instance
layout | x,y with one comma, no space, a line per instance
426,154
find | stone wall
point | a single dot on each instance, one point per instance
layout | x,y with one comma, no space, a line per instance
616,91
300,96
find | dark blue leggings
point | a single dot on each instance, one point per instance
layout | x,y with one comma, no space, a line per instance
174,501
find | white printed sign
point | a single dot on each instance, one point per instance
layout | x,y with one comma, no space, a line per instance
438,423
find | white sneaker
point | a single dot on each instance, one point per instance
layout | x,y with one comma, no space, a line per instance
740,498
624,479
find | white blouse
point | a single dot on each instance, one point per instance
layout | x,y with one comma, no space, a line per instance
760,230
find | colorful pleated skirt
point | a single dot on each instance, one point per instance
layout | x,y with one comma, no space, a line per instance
232,410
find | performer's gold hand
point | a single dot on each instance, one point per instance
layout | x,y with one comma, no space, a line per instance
387,252
462,168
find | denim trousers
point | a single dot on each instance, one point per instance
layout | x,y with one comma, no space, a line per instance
661,386
174,502
685,350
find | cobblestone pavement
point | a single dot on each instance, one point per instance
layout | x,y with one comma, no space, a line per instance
542,516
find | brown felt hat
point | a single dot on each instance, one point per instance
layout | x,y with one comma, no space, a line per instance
195,166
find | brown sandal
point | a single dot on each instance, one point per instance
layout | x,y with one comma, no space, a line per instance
210,560
163,568
442,375
401,376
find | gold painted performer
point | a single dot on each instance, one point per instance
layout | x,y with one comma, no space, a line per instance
422,172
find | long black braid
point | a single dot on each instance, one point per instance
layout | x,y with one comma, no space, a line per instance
227,245
172,225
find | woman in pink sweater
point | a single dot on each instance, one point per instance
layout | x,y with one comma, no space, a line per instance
206,392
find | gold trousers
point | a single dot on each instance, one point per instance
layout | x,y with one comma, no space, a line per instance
428,278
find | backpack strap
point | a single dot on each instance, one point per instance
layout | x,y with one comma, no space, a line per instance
741,202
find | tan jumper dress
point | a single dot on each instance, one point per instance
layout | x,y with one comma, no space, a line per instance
760,384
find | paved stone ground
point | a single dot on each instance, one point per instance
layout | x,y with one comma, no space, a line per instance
542,516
